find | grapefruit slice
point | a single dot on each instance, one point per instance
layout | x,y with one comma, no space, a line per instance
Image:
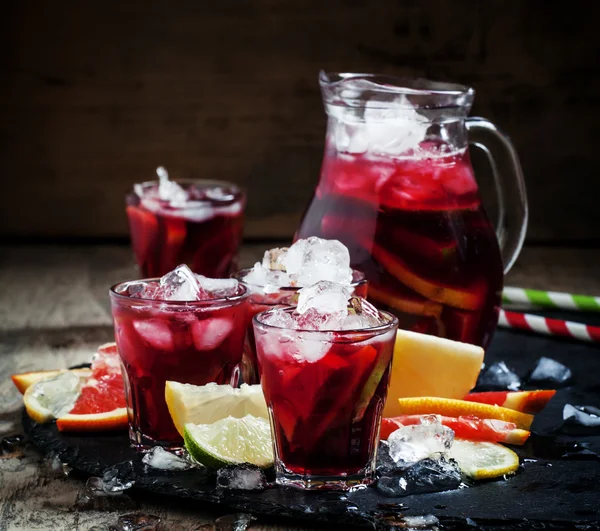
470,428
525,401
101,402
426,365
26,379
470,298
429,405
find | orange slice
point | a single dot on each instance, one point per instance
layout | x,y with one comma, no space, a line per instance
525,401
457,408
26,379
410,305
471,298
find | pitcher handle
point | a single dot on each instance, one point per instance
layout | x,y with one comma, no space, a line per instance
510,186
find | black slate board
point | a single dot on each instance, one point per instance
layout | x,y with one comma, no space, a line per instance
552,491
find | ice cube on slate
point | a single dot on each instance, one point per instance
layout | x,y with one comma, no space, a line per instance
586,416
427,475
498,377
93,497
160,458
313,259
169,190
241,477
119,477
180,285
136,522
550,371
234,522
52,466
410,444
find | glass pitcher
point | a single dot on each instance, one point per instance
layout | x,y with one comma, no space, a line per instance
397,188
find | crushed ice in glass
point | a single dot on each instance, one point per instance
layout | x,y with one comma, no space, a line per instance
170,191
426,475
182,284
136,522
234,522
585,416
162,459
119,477
93,497
241,477
52,466
304,263
550,372
410,444
498,377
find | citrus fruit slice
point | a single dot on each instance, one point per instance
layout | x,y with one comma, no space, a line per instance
230,441
410,303
483,460
470,428
426,365
470,298
24,380
52,397
205,404
144,229
525,401
101,402
456,408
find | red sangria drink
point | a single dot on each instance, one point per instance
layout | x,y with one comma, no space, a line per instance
181,327
397,189
275,282
194,222
324,372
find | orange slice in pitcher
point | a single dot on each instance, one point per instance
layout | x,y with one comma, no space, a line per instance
404,302
471,298
143,228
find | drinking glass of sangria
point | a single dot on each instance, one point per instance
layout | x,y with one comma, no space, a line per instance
397,188
193,222
325,368
181,327
275,282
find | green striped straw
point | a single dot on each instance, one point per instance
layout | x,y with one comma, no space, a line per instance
550,299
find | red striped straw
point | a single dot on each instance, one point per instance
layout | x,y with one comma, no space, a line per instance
547,326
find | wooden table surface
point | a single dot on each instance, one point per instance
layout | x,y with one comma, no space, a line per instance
54,311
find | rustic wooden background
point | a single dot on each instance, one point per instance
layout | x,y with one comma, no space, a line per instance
94,95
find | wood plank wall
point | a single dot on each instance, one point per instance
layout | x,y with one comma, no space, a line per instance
94,95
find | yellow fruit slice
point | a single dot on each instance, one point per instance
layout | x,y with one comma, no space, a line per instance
457,408
483,460
52,397
206,404
25,379
426,365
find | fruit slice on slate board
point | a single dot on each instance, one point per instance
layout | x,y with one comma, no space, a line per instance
524,401
428,405
483,460
469,428
426,365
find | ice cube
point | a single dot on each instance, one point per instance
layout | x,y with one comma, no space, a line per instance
59,393
169,190
119,477
549,371
136,522
280,319
498,377
208,334
241,477
326,297
220,194
160,458
218,287
234,522
362,315
52,466
156,332
180,285
410,444
427,475
314,259
93,498
583,416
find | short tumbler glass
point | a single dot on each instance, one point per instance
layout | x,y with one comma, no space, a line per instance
193,342
325,392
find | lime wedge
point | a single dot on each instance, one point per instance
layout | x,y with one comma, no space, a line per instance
483,460
230,441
